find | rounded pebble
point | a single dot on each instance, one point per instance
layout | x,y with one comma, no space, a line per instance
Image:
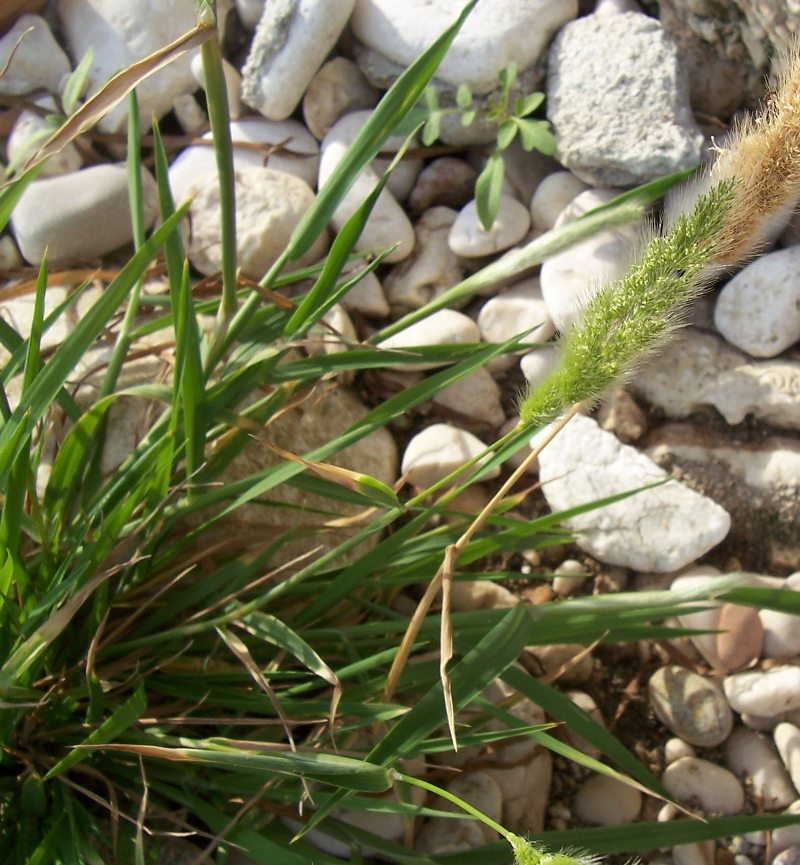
514,311
444,326
605,801
741,637
439,450
469,239
764,692
692,707
751,755
787,741
717,790
676,748
552,195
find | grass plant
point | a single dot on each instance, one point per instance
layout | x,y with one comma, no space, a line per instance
163,679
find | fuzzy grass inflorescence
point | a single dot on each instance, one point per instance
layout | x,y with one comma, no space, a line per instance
633,316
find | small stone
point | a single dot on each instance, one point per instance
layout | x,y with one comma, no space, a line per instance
658,529
475,396
586,704
431,269
764,692
470,595
269,205
787,741
570,278
250,12
120,33
31,131
750,755
787,836
469,239
190,116
515,310
742,637
31,58
782,630
604,801
479,789
18,312
569,577
10,259
446,181
287,147
620,414
493,36
699,853
758,310
676,748
526,791
79,216
570,662
537,365
291,41
692,707
439,450
332,334
789,856
717,790
366,296
388,227
338,88
444,326
552,195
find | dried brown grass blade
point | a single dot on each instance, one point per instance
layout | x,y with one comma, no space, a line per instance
116,89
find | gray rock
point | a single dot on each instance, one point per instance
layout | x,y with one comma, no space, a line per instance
79,216
659,529
616,123
758,310
291,42
446,181
495,34
692,707
698,370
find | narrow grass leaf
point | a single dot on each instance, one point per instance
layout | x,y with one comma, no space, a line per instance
52,377
75,84
488,187
11,193
121,719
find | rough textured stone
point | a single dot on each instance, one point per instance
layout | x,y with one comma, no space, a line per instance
698,370
692,707
659,529
616,124
291,41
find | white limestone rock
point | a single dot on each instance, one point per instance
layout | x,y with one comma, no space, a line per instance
79,216
269,205
751,755
438,450
717,790
764,692
295,152
233,83
119,33
31,58
660,529
552,195
698,370
495,34
758,310
475,396
431,269
782,630
514,311
444,326
469,239
387,226
291,41
338,88
570,278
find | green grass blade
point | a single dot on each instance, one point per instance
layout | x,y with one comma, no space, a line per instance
11,193
401,97
52,377
121,719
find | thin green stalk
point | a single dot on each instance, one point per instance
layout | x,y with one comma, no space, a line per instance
123,342
219,116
